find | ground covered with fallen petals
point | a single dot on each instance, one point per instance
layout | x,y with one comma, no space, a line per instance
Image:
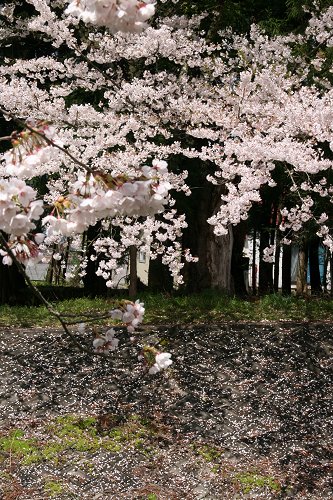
244,412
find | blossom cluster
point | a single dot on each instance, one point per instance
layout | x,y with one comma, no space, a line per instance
23,248
268,254
297,216
30,150
155,360
117,15
162,360
99,195
130,314
106,343
18,207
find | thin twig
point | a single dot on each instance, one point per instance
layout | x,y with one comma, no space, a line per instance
47,304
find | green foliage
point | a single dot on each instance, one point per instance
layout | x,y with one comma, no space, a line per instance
295,9
276,16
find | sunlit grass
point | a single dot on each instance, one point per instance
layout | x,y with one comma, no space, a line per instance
206,307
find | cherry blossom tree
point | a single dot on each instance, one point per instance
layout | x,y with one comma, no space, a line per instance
241,109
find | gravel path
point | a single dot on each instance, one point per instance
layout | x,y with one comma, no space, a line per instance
245,412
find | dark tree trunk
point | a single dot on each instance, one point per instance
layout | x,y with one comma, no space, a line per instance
50,269
265,268
239,263
277,250
159,277
301,282
331,273
93,285
314,266
57,270
326,262
254,265
133,281
213,269
13,289
277,267
286,270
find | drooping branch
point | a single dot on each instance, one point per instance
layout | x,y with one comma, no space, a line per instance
49,141
44,301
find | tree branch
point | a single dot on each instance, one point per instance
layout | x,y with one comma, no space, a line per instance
23,124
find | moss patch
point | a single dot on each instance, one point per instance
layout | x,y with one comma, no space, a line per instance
74,442
208,453
251,481
72,433
53,488
15,446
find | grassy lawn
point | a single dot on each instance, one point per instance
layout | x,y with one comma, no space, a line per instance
182,309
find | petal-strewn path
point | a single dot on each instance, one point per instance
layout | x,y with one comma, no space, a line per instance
258,396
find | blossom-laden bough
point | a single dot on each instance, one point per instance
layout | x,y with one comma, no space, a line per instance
91,195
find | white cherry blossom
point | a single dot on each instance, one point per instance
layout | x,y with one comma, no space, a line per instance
162,361
117,15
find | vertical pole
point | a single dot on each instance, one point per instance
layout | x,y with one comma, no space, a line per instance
254,271
331,273
133,284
